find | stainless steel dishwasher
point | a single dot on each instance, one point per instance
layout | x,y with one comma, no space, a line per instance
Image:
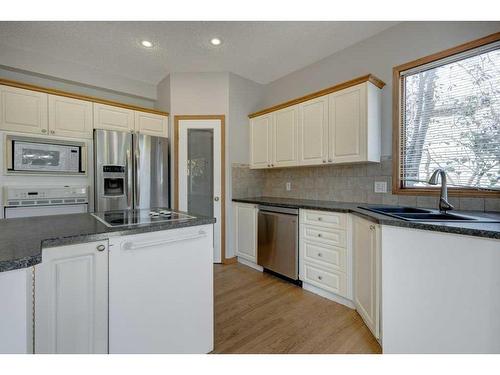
278,234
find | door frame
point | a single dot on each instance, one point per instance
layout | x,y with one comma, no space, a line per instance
222,119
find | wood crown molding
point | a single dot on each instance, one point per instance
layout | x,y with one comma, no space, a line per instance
397,187
353,82
93,99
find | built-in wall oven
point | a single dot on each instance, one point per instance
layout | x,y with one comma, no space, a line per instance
278,239
47,156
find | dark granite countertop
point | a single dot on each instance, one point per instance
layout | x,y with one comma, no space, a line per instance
488,230
22,239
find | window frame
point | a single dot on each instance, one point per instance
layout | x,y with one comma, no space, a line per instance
397,183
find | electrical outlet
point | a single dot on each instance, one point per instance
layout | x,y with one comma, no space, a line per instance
380,187
288,186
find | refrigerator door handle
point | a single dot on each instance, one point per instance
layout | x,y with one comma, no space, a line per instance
128,166
136,178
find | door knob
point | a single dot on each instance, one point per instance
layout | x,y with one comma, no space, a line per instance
216,199
101,248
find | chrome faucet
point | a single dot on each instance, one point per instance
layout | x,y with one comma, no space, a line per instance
444,205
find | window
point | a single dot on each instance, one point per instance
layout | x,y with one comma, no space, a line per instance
447,115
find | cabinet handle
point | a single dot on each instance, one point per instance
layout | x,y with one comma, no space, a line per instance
372,227
44,131
330,160
101,248
52,132
324,160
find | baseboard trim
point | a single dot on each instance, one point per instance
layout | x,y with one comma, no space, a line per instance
329,295
250,264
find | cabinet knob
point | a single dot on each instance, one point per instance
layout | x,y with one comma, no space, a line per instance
52,132
272,165
372,227
324,160
101,248
320,255
330,160
216,199
269,165
320,278
320,218
319,234
44,130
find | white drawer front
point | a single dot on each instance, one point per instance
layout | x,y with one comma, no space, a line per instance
335,237
332,281
326,219
329,256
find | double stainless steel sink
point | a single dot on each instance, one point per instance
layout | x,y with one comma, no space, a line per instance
422,214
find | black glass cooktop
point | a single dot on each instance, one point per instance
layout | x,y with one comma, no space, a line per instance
139,217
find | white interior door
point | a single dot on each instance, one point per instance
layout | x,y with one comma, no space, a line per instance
200,172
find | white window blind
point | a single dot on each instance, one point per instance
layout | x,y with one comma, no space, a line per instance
450,113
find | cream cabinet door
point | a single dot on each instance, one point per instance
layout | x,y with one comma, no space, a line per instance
70,117
23,110
151,124
285,133
261,141
113,118
366,239
71,299
347,125
313,131
245,231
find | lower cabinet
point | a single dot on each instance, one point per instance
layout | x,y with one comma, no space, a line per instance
71,299
325,255
366,245
245,231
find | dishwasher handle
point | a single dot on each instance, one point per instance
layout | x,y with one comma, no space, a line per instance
130,245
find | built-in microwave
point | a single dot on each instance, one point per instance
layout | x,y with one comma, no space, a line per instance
34,155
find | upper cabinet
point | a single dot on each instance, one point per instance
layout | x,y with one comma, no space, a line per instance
260,141
151,124
285,137
354,124
31,109
313,131
341,124
23,110
113,118
70,117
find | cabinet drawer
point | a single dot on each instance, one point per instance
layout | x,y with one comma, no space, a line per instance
326,219
333,281
329,256
335,237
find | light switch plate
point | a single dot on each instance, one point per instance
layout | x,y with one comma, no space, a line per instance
288,186
380,186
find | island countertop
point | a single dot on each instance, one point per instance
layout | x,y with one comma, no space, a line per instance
22,239
488,230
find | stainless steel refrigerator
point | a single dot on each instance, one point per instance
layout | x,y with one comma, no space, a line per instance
131,171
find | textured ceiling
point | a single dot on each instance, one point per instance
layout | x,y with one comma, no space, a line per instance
260,51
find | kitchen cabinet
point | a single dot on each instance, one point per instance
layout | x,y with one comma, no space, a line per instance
261,141
161,292
151,124
245,231
71,299
70,117
354,124
313,131
23,110
284,139
325,254
113,118
336,126
366,248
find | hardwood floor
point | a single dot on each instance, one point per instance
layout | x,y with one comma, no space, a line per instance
259,313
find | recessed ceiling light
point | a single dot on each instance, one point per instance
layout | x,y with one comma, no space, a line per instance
215,41
147,44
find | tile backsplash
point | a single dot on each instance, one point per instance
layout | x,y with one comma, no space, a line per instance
343,183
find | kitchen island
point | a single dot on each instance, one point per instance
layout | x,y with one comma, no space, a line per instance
72,284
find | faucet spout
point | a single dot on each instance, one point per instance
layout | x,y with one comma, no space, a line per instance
444,205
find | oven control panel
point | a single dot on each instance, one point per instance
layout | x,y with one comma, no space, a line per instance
23,196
